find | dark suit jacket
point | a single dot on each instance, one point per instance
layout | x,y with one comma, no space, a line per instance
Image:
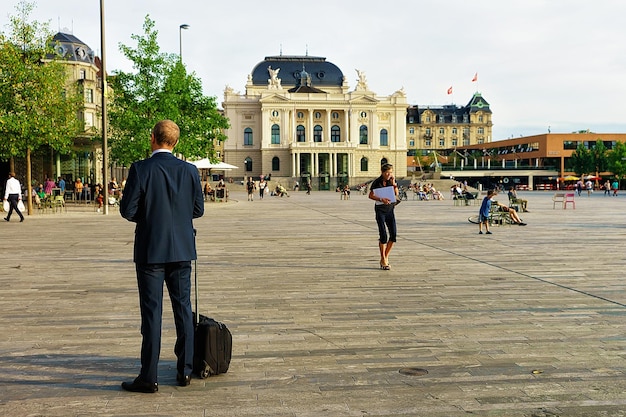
163,195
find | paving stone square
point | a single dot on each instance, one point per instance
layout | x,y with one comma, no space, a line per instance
528,321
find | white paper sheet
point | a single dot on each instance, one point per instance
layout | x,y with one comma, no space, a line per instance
385,192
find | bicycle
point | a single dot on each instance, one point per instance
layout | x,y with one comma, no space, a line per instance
402,195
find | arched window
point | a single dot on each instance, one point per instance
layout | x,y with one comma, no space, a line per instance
335,134
300,136
275,163
383,161
317,133
384,139
275,134
364,164
247,136
248,164
363,135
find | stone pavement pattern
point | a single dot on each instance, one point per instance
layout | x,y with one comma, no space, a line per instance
528,321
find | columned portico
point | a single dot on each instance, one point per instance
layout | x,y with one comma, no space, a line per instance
283,108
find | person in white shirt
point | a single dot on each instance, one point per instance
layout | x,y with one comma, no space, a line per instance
13,194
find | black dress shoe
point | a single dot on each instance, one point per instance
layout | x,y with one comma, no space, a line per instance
6,219
183,381
140,386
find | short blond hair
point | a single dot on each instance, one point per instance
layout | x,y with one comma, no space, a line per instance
166,132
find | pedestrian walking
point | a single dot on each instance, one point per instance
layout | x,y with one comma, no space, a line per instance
13,195
250,187
384,191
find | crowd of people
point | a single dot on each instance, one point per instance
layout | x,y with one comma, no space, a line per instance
80,191
426,191
252,186
460,191
48,191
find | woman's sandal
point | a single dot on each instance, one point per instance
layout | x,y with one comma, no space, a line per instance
384,267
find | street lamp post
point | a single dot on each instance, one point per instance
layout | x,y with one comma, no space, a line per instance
180,39
105,155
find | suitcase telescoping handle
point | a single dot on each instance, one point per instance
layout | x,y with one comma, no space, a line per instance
195,279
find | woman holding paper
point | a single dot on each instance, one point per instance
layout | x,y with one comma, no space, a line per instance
384,191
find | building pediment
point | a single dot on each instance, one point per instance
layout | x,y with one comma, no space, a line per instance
273,98
364,99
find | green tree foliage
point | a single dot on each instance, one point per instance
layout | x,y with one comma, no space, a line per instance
617,160
599,158
581,161
160,89
37,107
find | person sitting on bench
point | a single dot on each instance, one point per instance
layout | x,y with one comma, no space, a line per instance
514,199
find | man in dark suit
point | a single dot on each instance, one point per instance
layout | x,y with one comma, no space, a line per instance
162,196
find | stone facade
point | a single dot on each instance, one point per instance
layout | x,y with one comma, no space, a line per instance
449,126
298,120
83,69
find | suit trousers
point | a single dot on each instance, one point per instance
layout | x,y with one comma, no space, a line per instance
150,279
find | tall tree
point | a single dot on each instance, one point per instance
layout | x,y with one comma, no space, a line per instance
599,159
37,107
160,89
581,160
617,160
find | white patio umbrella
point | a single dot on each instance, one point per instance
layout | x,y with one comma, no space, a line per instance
206,163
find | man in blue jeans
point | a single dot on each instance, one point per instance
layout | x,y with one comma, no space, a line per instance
162,196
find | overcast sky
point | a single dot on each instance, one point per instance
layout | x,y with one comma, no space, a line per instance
540,63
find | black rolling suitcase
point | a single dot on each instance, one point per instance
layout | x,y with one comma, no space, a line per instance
212,347
213,342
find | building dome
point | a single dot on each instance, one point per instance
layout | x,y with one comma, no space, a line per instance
70,48
322,73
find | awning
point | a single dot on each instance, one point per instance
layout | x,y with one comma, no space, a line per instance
216,166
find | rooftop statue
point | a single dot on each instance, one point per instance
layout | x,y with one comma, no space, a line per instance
362,81
274,81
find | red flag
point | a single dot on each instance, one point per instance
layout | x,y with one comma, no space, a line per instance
450,90
475,77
